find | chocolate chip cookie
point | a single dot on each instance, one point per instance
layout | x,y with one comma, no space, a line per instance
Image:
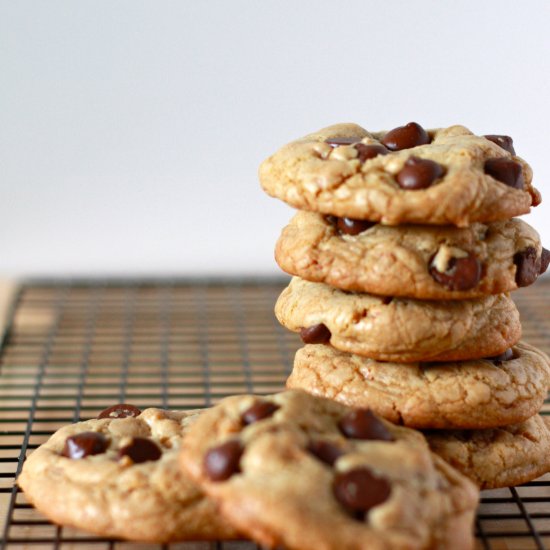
408,175
500,457
118,476
308,473
482,393
399,329
424,262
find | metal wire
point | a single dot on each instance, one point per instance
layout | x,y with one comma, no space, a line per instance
74,348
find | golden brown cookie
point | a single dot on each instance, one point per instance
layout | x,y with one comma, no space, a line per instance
399,329
482,393
442,176
500,457
308,473
118,476
424,262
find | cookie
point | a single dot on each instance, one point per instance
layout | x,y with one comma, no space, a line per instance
399,329
118,476
409,175
500,457
308,473
424,262
482,393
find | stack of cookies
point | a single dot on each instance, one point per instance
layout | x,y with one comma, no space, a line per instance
403,254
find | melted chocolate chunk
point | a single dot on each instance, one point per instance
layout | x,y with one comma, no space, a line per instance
405,137
506,171
85,444
419,173
544,260
505,142
221,462
326,452
338,141
528,266
140,449
363,424
359,490
461,274
317,334
122,410
350,226
258,411
367,152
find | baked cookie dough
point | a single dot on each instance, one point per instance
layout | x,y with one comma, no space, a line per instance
399,329
308,473
424,262
482,393
500,457
442,176
118,476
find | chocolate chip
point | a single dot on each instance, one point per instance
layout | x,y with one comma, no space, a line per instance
505,142
386,300
359,490
426,365
419,173
338,141
405,137
222,462
258,411
528,266
461,274
85,444
544,260
350,226
505,356
326,452
363,424
317,334
122,410
367,152
140,449
506,171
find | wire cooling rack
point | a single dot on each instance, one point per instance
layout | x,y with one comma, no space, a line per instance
72,349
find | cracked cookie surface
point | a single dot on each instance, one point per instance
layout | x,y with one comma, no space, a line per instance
428,263
338,178
108,493
401,330
307,473
501,457
475,394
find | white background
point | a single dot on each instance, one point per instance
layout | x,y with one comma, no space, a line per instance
131,131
